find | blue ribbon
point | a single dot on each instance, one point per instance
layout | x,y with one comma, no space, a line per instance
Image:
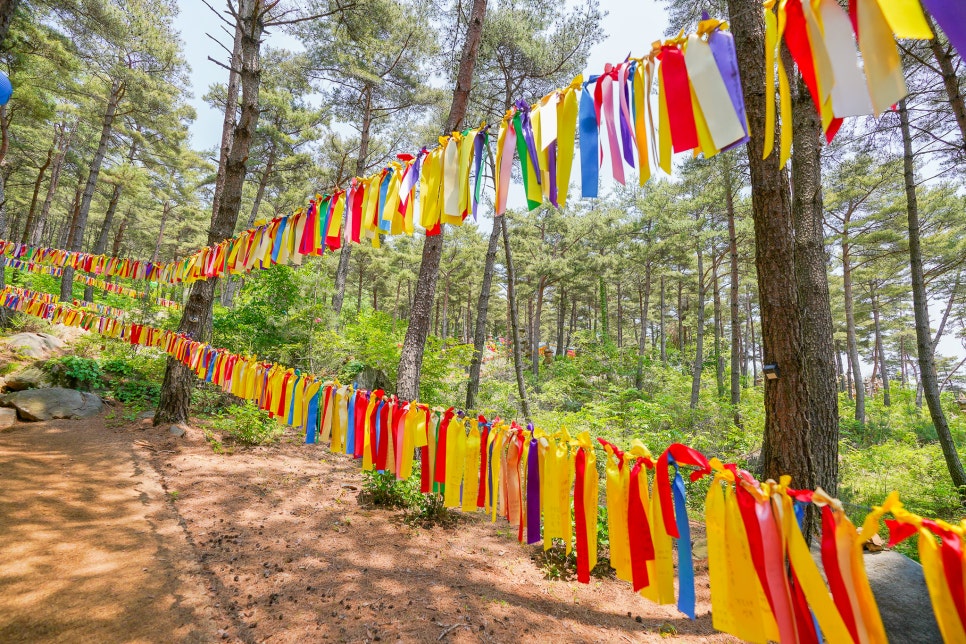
291,405
384,226
589,145
278,239
312,416
685,560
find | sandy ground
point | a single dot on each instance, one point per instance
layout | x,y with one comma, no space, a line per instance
114,532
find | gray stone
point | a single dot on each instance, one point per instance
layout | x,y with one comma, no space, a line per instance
178,431
372,379
7,418
34,345
27,378
900,591
146,415
56,402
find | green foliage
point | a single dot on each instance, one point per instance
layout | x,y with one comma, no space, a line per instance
381,489
247,424
75,372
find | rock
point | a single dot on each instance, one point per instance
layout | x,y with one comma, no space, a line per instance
34,345
900,591
372,379
149,415
27,378
178,431
56,402
7,418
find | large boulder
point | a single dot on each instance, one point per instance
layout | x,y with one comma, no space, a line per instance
900,591
34,345
899,588
56,402
27,378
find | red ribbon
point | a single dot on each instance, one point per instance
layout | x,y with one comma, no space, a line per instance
638,531
481,492
583,557
833,572
683,455
677,93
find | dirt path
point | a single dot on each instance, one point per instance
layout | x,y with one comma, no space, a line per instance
90,549
125,534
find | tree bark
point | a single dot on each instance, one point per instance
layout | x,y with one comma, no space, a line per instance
7,9
31,213
63,141
559,351
79,225
345,253
411,359
718,358
482,310
880,351
535,328
924,344
165,211
175,400
699,337
736,369
786,447
945,58
231,112
851,340
643,295
661,317
119,235
620,316
815,309
514,322
840,373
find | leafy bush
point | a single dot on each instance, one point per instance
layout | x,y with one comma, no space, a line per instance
134,391
383,490
248,424
75,372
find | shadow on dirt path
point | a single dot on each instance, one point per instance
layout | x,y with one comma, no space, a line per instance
91,550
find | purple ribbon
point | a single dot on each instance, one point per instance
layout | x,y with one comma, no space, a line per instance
533,489
478,168
623,109
722,45
524,109
552,171
951,16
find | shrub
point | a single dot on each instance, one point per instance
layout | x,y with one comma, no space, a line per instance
248,424
75,372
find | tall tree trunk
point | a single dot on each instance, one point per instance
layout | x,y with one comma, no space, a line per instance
754,345
880,351
535,335
64,234
345,253
362,268
661,317
643,295
946,60
573,323
482,311
699,337
561,319
411,360
63,141
228,123
119,235
736,352
815,309
31,213
786,447
839,372
165,211
175,400
7,9
79,225
680,312
718,358
604,319
924,344
851,339
514,321
620,317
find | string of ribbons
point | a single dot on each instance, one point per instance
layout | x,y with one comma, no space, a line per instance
765,586
87,280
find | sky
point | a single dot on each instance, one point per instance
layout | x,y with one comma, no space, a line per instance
622,27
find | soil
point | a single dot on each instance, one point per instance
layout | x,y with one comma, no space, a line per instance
115,531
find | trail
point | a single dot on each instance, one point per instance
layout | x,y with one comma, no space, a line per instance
112,531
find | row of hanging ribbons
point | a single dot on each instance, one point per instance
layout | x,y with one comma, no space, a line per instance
700,108
87,280
765,586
